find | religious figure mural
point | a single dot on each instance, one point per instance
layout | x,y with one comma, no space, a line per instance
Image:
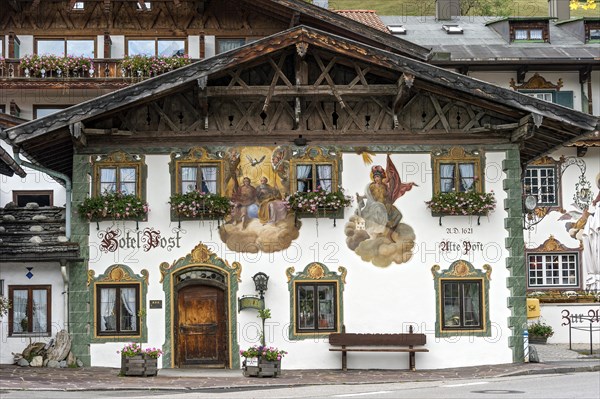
376,232
256,181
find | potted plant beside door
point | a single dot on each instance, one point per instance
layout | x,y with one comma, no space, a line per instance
262,360
136,361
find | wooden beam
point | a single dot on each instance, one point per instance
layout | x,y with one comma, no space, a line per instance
78,137
309,90
404,95
524,131
295,20
165,118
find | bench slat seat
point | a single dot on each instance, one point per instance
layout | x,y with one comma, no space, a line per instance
377,350
352,342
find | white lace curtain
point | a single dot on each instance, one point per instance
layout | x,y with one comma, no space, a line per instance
107,309
19,306
209,179
467,175
324,176
302,172
128,310
446,178
40,315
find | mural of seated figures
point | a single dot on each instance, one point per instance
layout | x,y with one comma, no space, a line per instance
257,182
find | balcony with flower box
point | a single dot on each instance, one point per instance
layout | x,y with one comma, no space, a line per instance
57,72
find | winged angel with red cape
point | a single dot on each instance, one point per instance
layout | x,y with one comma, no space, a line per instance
376,231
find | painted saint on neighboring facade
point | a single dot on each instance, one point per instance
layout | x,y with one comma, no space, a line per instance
376,232
257,184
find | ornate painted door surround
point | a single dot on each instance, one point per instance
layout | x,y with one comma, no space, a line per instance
201,267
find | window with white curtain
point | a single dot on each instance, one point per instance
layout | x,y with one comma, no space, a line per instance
117,309
311,177
224,45
456,176
30,312
203,177
118,178
527,32
457,170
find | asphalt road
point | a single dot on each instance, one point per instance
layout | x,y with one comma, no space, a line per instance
547,386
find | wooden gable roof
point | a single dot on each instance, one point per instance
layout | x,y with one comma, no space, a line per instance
540,127
8,166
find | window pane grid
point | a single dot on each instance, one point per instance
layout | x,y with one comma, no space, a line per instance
542,183
310,177
461,305
30,310
458,176
203,178
316,307
553,270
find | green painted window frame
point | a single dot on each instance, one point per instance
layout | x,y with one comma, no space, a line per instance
462,272
316,309
122,276
315,274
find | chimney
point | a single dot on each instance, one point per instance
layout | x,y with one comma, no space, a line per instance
445,10
559,9
321,3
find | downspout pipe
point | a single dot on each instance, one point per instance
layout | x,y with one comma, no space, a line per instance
65,276
53,173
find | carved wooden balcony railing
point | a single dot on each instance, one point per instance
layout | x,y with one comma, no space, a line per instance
104,70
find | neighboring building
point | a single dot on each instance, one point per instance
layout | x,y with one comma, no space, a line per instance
555,59
300,96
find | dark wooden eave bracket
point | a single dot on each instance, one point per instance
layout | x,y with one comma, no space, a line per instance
77,134
203,99
526,127
404,94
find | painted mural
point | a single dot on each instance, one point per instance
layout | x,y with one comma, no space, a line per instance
257,182
376,232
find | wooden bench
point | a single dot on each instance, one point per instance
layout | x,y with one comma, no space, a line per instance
378,343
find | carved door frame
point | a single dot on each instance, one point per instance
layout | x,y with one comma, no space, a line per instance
201,258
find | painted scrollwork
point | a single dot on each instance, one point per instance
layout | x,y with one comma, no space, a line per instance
289,272
344,272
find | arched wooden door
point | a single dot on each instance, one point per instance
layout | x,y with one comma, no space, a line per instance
201,326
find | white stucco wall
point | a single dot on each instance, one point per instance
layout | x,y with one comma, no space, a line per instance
375,299
554,314
43,274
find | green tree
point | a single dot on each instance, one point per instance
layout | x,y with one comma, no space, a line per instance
487,7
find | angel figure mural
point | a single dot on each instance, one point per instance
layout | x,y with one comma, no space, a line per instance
376,232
